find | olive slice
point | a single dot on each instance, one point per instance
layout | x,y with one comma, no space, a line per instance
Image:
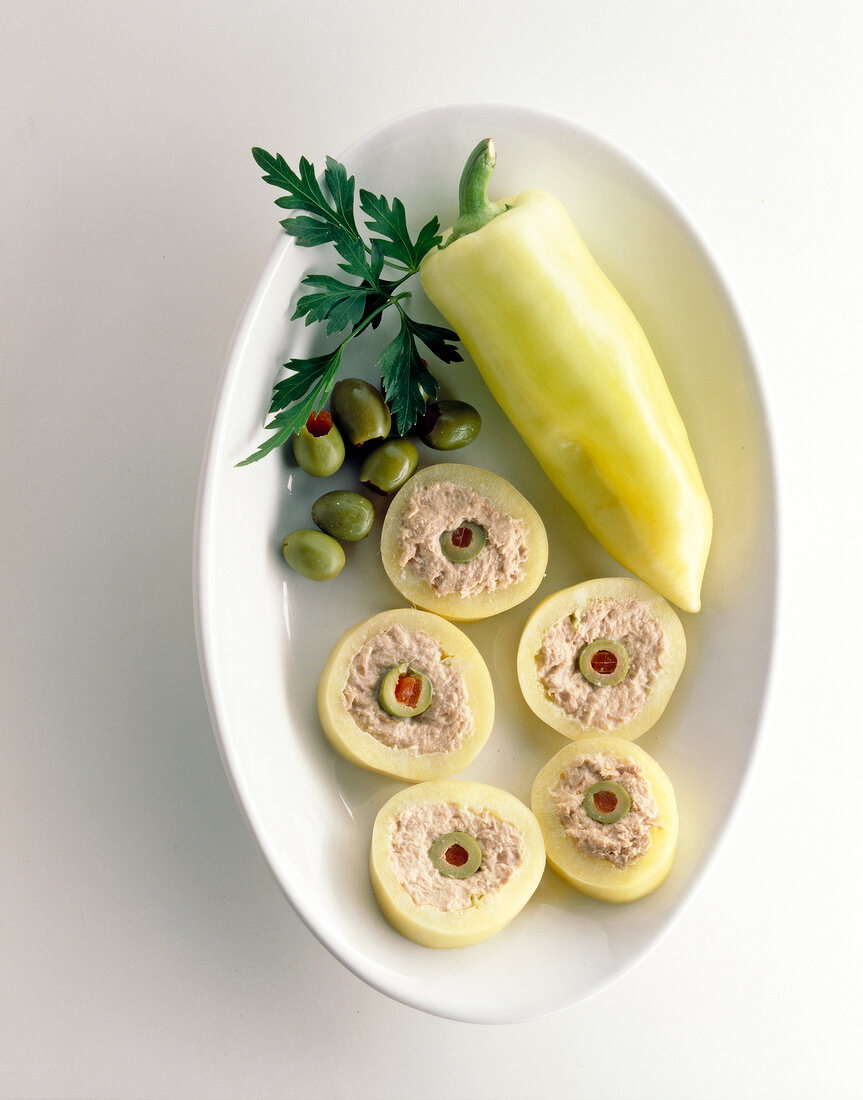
603,662
606,802
464,542
456,855
404,692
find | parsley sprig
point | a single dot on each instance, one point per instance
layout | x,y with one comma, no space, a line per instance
327,217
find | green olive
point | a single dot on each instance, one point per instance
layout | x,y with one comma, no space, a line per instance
318,446
344,515
464,542
314,554
603,662
405,692
387,468
448,425
606,802
456,855
360,411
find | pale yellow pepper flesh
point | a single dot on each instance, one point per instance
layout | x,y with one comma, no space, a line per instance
569,364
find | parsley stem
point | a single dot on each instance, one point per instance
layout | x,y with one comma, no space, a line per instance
391,299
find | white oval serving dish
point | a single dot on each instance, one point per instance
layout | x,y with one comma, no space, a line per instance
264,633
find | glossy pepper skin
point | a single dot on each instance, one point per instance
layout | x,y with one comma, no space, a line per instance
569,364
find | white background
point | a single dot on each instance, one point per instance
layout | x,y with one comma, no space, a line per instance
146,948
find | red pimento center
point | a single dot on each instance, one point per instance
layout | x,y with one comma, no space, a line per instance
408,690
456,855
605,801
319,423
462,537
604,663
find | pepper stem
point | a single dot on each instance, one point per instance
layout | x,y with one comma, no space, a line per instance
474,207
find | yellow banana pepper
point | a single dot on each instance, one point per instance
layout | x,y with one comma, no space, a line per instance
569,364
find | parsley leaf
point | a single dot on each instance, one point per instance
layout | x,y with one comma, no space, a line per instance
440,341
306,373
339,304
341,187
304,193
390,221
376,302
407,381
313,378
353,252
326,216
